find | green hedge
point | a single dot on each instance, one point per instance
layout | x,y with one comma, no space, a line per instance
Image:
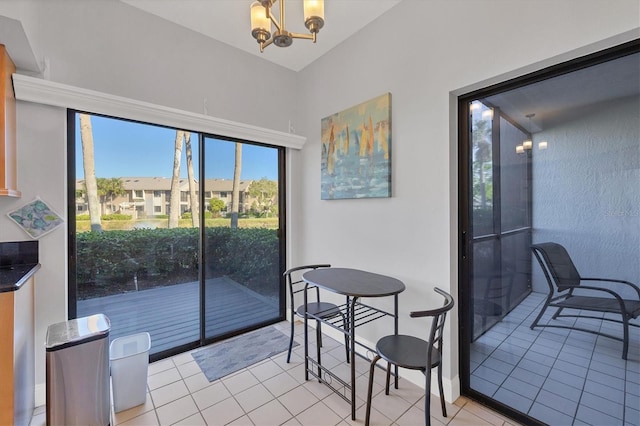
113,216
116,216
245,254
187,215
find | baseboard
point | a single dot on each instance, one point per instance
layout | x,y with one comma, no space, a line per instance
40,397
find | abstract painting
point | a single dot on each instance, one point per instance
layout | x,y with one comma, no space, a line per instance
356,151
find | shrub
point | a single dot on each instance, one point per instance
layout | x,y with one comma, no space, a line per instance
244,254
187,215
83,217
116,216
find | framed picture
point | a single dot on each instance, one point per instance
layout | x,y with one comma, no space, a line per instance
356,151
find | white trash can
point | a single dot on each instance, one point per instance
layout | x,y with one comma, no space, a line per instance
129,358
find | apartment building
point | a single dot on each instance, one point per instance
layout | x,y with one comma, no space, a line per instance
146,197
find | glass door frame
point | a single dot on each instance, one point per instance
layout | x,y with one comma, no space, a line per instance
465,218
72,294
282,215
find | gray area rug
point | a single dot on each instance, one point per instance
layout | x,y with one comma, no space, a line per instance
239,352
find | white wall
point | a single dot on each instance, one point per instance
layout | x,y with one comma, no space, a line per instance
586,193
41,172
117,49
420,51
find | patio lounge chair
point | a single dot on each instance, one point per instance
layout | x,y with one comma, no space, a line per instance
563,280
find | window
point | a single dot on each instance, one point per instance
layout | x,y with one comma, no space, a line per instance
138,193
157,209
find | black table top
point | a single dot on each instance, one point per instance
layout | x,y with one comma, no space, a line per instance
354,282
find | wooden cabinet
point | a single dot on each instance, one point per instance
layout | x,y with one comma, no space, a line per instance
17,359
8,159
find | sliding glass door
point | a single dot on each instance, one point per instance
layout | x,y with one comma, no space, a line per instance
173,233
551,159
241,239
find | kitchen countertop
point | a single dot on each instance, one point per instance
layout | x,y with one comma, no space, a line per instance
18,262
12,277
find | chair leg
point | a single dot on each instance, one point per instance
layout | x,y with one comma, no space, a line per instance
625,344
318,346
441,389
557,314
345,325
372,370
544,308
386,389
293,318
427,397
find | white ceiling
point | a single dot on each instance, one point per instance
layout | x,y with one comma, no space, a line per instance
228,21
551,100
565,97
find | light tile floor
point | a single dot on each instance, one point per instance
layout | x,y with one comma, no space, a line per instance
559,376
273,392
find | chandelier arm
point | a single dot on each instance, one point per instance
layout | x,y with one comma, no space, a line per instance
305,36
274,21
282,21
268,9
265,44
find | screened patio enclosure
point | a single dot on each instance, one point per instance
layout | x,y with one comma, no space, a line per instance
552,157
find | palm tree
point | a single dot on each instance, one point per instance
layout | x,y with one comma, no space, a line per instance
86,135
108,189
237,170
193,198
265,192
482,157
174,201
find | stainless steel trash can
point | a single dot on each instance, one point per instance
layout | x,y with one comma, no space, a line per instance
77,369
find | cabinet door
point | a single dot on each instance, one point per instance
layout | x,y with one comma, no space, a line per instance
8,172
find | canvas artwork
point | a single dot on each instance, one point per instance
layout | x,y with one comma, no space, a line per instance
36,218
356,151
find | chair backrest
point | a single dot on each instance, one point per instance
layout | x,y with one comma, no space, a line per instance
557,266
439,316
295,283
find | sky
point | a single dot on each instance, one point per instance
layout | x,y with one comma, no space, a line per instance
125,148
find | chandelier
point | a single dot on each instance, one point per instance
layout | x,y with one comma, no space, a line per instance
262,18
527,144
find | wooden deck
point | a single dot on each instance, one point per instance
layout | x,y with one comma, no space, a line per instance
171,314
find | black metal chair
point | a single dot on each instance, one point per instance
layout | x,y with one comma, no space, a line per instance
325,310
563,279
415,354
